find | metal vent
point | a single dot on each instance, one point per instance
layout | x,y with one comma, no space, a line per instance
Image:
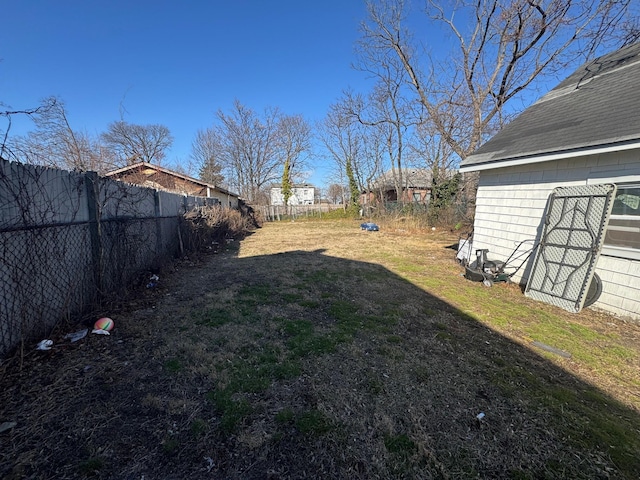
575,223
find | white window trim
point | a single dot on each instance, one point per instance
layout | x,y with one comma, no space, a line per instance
622,252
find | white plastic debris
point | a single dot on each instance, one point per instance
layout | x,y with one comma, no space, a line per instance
210,463
480,416
79,335
45,344
97,331
551,349
4,426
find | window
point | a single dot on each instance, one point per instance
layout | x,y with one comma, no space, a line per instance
416,196
623,232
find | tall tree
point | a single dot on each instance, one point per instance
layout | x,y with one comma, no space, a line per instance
252,149
389,109
354,190
133,143
436,156
344,138
500,47
294,141
247,149
204,151
287,186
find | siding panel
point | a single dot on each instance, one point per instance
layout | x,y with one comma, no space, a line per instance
510,208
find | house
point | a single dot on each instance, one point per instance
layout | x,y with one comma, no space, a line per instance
586,131
416,187
160,178
301,195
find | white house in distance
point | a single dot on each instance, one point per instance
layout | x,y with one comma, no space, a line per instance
586,131
302,195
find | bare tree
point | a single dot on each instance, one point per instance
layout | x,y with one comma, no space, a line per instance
205,149
378,159
254,150
294,141
8,113
343,137
501,47
247,149
389,109
55,143
133,143
434,153
388,127
335,193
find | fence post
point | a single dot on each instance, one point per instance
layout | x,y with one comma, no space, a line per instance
95,231
158,221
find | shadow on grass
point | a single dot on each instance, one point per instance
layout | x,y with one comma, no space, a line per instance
466,400
503,399
303,365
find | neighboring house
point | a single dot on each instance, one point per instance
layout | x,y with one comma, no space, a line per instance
416,187
301,195
155,176
585,131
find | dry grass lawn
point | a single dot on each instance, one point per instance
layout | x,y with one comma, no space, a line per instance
313,349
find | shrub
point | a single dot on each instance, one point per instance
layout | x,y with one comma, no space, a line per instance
210,226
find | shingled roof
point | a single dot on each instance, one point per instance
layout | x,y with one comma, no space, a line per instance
411,178
145,173
596,109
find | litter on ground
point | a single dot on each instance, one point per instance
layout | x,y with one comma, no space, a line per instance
45,344
370,227
79,335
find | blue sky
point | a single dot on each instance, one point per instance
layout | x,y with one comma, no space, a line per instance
177,63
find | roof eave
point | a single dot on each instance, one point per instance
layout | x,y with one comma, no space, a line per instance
551,156
159,169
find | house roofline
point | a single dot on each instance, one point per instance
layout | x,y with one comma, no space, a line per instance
551,156
170,172
161,169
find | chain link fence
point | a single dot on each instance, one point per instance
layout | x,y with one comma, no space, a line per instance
69,240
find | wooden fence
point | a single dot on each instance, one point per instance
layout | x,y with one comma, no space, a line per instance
272,213
67,239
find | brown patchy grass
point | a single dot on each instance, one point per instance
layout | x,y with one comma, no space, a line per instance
317,350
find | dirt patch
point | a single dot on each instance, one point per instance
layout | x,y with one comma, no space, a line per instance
316,350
